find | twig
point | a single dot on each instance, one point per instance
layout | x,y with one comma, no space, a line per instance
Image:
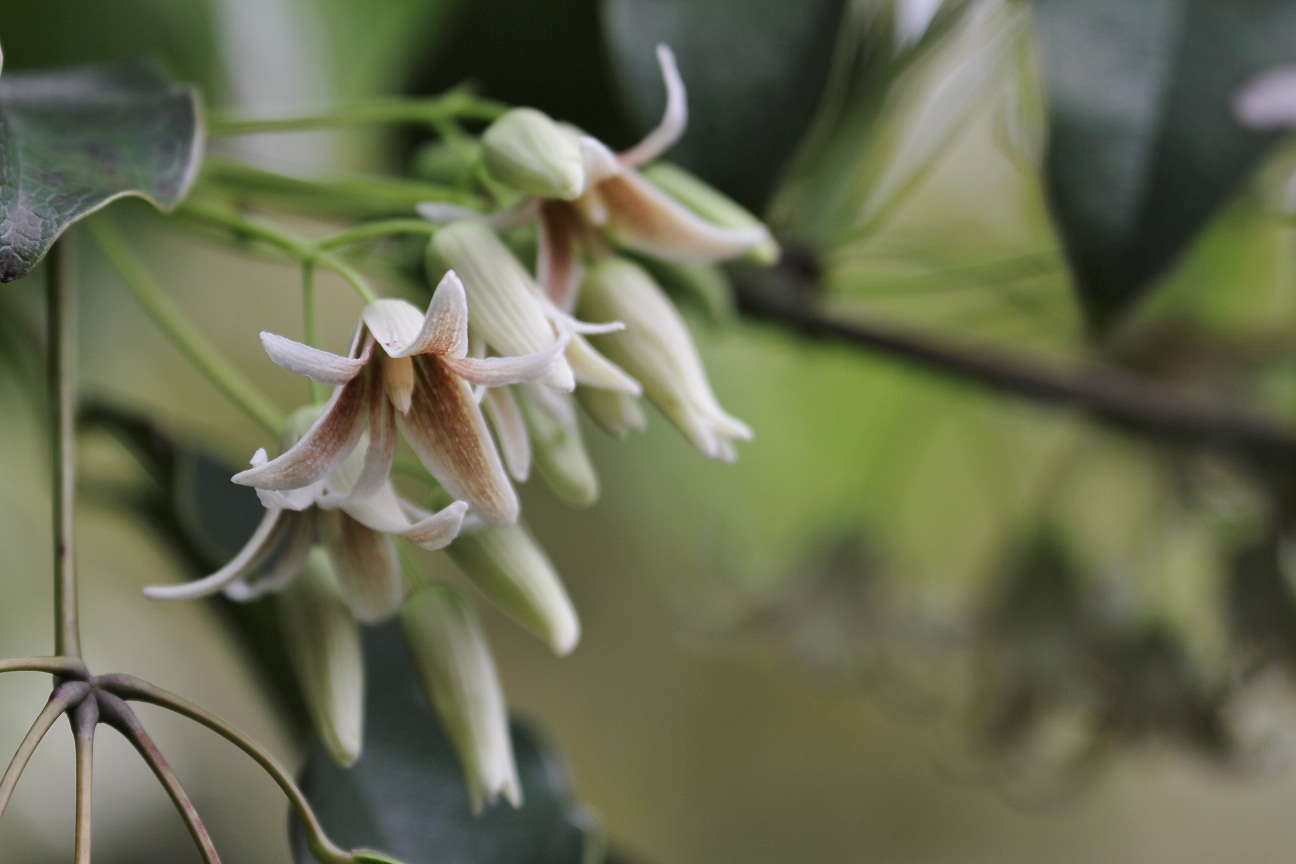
119,715
84,721
1119,398
63,667
135,689
64,697
62,399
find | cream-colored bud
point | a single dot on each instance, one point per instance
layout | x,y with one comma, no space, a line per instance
557,447
455,667
323,644
617,414
507,565
528,150
505,306
656,348
711,204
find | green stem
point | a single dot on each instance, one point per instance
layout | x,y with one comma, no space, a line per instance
63,667
296,247
317,396
377,229
130,687
182,333
84,721
62,400
378,112
119,715
65,695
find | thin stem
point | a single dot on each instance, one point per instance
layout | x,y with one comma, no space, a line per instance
377,229
296,247
64,696
428,111
63,667
84,722
62,400
130,687
180,330
119,715
1110,395
317,396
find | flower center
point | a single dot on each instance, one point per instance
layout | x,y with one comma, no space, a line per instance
398,381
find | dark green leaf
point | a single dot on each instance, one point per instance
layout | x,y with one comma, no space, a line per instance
73,140
1143,146
407,796
754,71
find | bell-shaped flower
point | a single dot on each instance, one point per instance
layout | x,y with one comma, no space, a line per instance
681,219
657,349
408,370
357,534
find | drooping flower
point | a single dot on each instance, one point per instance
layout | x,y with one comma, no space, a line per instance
409,370
666,218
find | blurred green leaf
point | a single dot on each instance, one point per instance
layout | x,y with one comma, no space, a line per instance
73,140
1143,147
754,70
407,794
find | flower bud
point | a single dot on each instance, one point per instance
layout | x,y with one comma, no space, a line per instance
507,565
656,348
323,645
617,414
529,151
505,306
711,204
454,665
556,444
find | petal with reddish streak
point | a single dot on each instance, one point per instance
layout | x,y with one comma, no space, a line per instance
322,366
368,572
643,218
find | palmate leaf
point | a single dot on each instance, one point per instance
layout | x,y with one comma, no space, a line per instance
73,140
1143,145
407,795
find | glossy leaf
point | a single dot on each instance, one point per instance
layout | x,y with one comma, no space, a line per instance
407,797
754,70
1143,145
73,140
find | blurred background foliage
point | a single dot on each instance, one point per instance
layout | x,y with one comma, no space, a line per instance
921,619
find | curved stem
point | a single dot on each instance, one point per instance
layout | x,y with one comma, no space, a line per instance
84,722
377,229
182,333
130,687
294,246
62,400
64,696
119,715
456,103
63,667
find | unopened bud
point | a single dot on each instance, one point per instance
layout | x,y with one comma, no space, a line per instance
617,414
455,667
505,306
557,447
656,348
711,204
323,644
507,565
528,150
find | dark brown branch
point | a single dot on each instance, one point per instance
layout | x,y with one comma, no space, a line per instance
1131,402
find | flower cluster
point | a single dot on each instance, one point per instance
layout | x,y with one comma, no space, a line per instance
497,348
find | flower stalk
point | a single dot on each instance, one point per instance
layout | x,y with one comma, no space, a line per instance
61,372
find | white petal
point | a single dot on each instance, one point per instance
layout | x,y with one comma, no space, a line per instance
573,325
600,162
438,530
300,537
386,512
332,436
502,411
394,323
322,366
445,327
351,481
289,499
673,121
558,267
592,369
646,219
365,564
257,549
498,371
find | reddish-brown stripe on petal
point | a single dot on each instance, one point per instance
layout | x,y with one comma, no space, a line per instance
557,265
446,430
